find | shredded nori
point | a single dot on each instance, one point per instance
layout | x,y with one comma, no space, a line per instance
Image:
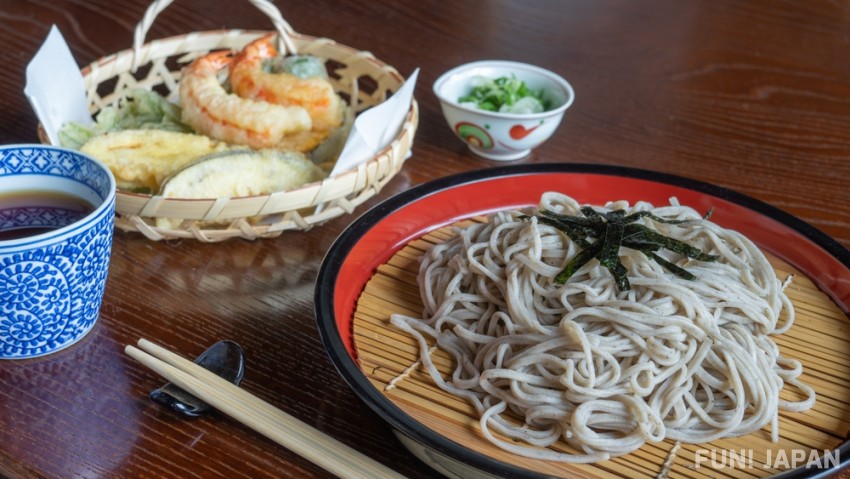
600,235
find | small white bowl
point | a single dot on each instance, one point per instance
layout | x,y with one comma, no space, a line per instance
502,136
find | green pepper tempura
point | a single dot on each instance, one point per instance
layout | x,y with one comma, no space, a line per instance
504,95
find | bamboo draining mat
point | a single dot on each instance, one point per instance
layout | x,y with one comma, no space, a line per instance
819,338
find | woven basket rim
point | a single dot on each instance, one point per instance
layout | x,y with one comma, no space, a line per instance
106,59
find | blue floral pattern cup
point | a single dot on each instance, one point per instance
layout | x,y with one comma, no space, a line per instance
52,282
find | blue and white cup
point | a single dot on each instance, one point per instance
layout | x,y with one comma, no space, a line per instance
57,212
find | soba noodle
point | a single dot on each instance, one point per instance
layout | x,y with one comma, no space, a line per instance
600,369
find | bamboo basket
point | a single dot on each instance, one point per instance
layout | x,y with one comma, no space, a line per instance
819,338
362,79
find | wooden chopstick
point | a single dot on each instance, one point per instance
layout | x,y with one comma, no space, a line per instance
303,439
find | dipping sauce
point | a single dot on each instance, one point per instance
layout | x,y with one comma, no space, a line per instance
33,212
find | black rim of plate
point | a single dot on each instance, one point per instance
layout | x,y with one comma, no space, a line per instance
398,419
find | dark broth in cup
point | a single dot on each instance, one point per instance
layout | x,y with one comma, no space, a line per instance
33,212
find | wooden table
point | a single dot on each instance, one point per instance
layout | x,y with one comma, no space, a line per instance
749,95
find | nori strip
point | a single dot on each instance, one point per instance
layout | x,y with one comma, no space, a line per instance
611,231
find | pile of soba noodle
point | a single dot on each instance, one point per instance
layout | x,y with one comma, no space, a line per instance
604,370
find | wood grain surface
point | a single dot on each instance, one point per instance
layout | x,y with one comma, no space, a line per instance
752,95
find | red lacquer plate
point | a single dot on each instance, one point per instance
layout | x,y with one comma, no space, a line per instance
378,234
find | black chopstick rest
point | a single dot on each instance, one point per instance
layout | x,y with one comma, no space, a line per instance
224,358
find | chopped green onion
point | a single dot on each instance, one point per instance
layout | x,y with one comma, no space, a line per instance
504,94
